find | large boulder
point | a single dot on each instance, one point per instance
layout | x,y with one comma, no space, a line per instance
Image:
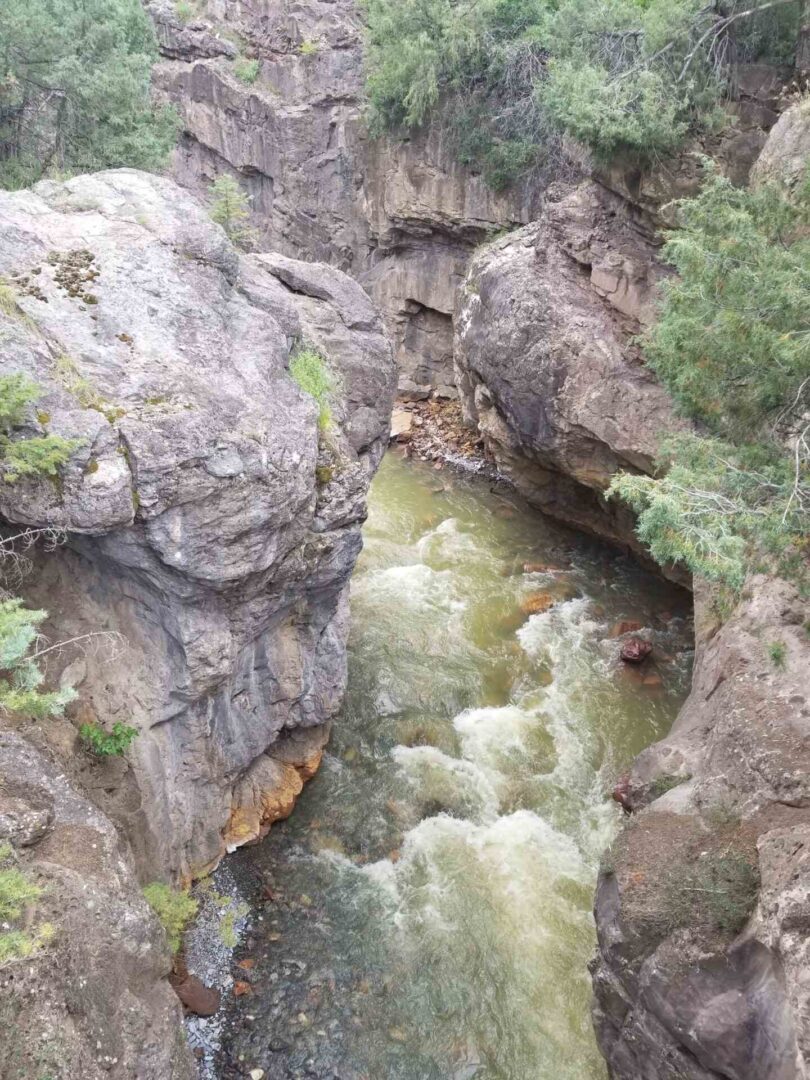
687,985
212,527
786,153
545,361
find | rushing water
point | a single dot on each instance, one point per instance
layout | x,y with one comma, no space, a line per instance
429,902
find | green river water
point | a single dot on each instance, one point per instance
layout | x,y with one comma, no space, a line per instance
433,889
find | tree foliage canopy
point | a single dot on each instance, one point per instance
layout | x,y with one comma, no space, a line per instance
74,89
20,674
509,78
732,345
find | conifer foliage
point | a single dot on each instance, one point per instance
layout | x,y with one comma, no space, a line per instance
509,80
74,89
20,673
732,345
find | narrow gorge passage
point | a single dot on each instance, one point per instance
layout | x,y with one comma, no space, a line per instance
426,911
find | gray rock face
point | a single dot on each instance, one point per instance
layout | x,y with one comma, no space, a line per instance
689,1001
785,155
403,218
93,1000
544,361
210,524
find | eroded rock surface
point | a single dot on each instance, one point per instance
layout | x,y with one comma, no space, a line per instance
678,995
545,362
402,218
92,1001
210,524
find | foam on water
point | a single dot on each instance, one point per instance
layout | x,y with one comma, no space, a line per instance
491,735
458,786
465,869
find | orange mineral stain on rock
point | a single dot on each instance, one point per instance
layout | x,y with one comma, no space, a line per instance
269,788
538,602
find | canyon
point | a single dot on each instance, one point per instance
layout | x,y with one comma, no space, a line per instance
211,535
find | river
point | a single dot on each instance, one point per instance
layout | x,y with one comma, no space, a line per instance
426,912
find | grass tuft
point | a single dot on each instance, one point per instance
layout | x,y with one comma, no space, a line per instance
311,373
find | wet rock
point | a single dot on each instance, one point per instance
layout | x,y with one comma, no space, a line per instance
635,650
622,794
198,998
625,626
537,603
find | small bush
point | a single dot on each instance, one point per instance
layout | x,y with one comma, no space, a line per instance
308,48
184,11
112,743
16,891
38,456
311,372
228,919
777,653
174,908
720,890
231,210
662,784
732,346
17,894
247,71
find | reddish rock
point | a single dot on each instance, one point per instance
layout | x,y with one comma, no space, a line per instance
635,650
621,794
198,998
537,603
626,626
240,988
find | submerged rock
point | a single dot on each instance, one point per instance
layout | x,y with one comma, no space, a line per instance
198,998
635,650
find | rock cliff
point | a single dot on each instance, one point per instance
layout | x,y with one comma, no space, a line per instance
702,908
95,1002
545,322
545,363
211,526
402,218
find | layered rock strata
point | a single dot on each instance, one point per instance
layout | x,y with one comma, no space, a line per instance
402,218
211,523
545,360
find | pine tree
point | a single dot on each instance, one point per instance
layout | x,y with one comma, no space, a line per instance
231,210
75,89
20,674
